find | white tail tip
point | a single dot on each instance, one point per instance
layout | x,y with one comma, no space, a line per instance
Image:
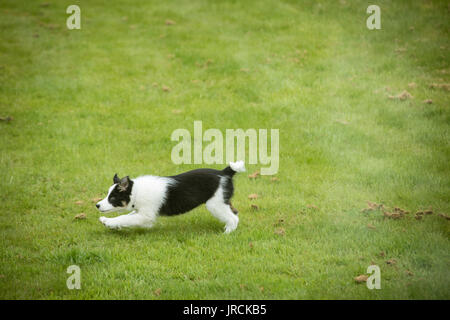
238,166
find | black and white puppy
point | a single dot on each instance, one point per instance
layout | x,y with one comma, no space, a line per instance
151,196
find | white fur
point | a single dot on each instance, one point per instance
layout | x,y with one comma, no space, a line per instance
221,210
238,166
146,198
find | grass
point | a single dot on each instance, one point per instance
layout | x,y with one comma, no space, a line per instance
88,103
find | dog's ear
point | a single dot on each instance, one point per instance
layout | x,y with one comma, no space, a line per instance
124,183
116,179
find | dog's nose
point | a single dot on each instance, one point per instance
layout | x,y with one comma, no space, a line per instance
97,205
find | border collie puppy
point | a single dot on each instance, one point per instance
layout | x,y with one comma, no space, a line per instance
151,196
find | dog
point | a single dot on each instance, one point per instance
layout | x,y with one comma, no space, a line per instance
148,197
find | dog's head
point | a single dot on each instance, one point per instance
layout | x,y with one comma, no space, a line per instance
118,197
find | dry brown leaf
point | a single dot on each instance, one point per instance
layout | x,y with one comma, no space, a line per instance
280,232
361,278
253,196
170,22
404,95
391,262
6,119
428,101
80,216
445,86
274,179
409,273
371,226
157,292
250,245
382,254
79,202
412,85
165,88
254,175
418,217
95,200
254,206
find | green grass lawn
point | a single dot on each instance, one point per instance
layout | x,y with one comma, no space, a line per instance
89,103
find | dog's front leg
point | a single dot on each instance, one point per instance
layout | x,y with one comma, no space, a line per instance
127,221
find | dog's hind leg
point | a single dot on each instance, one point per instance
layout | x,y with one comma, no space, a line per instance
222,211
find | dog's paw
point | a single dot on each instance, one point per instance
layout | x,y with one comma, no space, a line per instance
107,222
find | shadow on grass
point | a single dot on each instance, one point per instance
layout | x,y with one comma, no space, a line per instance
166,230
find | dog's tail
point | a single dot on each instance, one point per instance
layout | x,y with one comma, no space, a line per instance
234,167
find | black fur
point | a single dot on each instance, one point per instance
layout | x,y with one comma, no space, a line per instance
194,188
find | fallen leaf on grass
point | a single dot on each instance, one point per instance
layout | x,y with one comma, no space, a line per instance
157,292
418,217
177,111
261,289
170,22
361,278
165,88
371,226
243,286
253,196
6,119
95,200
391,215
428,212
412,85
391,262
280,232
250,245
409,273
428,101
445,86
382,254
443,215
312,206
372,206
274,179
254,206
404,95
400,211
254,175
80,216
79,202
